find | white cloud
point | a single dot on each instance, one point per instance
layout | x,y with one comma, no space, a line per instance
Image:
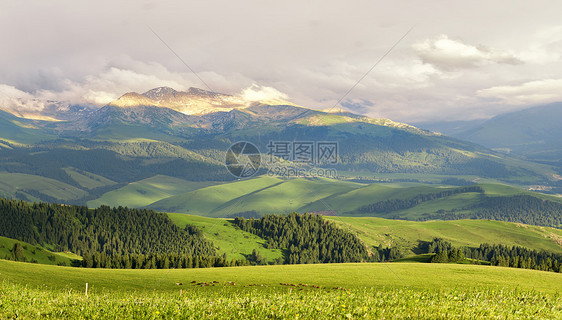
532,92
17,101
260,93
450,54
97,89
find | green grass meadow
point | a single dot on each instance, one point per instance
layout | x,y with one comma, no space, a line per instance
234,242
145,192
405,234
343,291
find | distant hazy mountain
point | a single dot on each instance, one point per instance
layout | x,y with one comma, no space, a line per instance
450,128
535,132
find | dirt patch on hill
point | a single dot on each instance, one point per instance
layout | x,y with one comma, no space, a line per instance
556,238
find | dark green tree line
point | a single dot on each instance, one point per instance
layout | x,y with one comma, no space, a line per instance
306,238
106,231
391,205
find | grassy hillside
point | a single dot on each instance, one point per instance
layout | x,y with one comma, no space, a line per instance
378,275
35,253
405,234
205,201
12,183
88,180
375,231
145,192
263,195
227,239
16,130
402,290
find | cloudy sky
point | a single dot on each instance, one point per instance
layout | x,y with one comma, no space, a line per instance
462,59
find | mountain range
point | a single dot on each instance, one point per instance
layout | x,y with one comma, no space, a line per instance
88,151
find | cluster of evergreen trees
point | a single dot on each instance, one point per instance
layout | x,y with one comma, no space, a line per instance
381,254
155,261
16,254
519,208
496,255
107,236
516,257
444,252
391,205
307,238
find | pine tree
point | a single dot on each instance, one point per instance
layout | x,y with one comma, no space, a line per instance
17,252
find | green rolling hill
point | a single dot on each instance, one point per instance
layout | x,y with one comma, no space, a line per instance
147,191
472,233
15,131
264,195
34,187
405,235
35,254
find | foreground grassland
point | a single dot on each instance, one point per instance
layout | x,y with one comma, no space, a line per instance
368,303
430,291
347,275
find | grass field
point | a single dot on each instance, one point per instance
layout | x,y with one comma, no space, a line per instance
142,193
405,234
88,180
347,275
400,290
227,239
10,183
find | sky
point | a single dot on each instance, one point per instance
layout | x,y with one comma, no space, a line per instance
462,60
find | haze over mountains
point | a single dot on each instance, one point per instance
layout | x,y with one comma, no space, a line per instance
535,133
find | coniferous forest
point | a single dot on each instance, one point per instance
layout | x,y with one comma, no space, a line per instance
496,255
516,257
143,239
391,205
113,231
109,237
519,208
308,238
